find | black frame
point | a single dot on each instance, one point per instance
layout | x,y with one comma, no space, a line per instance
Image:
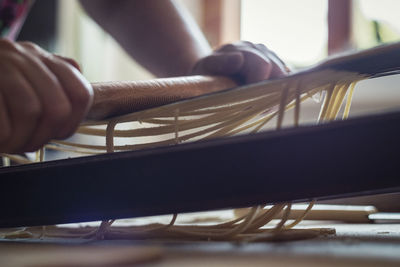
287,165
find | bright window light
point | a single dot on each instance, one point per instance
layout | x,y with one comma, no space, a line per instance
382,10
296,30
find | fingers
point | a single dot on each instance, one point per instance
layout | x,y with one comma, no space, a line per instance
22,108
69,61
280,69
68,101
260,62
45,97
78,91
255,68
245,61
54,102
221,63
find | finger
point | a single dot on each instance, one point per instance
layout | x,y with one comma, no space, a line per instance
221,63
70,61
40,52
279,67
228,47
55,103
255,68
77,89
237,46
24,111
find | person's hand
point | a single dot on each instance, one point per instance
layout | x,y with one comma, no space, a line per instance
42,97
244,61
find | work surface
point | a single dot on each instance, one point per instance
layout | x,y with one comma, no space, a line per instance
353,245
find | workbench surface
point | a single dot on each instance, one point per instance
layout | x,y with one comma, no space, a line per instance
353,245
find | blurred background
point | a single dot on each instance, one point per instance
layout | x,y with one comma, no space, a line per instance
300,32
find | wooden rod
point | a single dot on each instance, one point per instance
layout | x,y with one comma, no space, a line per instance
117,98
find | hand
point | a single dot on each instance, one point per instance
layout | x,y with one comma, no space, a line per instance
42,97
244,61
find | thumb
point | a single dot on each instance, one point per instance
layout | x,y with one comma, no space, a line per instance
70,61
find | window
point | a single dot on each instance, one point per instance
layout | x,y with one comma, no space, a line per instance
295,30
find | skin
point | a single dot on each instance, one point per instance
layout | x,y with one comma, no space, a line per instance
174,45
244,61
44,96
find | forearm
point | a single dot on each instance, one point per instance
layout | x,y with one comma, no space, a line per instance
158,34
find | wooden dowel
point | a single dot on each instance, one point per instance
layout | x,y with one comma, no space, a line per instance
117,98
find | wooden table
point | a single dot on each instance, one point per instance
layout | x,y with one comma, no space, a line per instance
353,245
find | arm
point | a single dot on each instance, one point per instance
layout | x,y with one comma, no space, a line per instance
160,35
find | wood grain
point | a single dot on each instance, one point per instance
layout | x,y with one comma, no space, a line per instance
117,98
